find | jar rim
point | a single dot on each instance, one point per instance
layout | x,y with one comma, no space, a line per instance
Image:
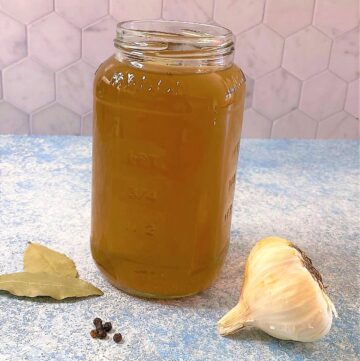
172,41
178,31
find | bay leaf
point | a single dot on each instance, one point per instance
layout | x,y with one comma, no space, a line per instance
38,258
46,284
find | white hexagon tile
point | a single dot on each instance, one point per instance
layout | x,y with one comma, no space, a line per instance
286,17
276,94
123,10
323,95
101,34
54,41
340,125
300,57
22,11
12,40
188,10
259,51
255,125
81,12
56,119
335,17
306,53
294,125
28,85
13,120
74,87
86,124
344,60
239,15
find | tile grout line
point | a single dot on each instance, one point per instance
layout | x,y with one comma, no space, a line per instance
330,54
263,12
30,124
317,129
271,129
313,13
213,10
81,125
346,95
162,10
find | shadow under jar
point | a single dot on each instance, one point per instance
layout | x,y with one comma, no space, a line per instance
167,121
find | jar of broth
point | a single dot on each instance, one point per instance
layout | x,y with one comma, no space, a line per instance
168,109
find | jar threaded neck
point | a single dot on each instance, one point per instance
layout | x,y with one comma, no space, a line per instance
174,43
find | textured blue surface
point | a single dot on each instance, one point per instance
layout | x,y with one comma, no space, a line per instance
306,191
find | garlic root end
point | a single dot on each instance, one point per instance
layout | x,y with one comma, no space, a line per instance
233,321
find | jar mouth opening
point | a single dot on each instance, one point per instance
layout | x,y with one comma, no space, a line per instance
175,31
173,41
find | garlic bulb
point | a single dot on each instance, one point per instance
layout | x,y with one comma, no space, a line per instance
282,294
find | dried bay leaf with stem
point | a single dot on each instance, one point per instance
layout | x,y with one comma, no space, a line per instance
38,258
46,284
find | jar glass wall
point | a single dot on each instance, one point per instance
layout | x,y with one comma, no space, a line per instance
167,121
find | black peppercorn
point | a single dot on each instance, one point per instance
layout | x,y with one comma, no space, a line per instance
107,326
101,333
93,333
97,322
117,337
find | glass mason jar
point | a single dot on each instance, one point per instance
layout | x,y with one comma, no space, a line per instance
168,111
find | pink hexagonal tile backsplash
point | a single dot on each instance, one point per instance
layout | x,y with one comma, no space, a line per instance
301,59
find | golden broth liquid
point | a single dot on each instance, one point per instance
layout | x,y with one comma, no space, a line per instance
165,149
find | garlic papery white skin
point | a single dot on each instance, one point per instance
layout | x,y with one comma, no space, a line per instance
282,294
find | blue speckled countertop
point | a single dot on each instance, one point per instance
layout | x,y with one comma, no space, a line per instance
306,191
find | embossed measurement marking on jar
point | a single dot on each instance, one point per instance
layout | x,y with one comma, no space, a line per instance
236,149
148,229
232,181
146,160
142,194
228,213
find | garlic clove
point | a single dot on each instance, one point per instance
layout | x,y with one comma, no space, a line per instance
282,294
